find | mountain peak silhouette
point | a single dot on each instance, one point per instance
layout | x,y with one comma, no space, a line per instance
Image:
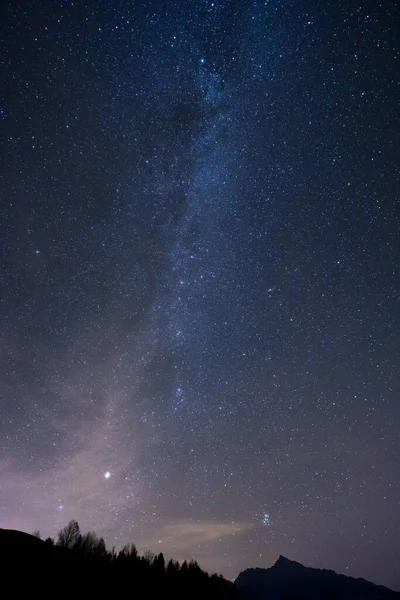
288,578
286,563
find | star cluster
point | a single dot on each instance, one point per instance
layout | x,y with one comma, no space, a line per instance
199,278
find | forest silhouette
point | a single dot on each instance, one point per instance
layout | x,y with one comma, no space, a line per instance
82,563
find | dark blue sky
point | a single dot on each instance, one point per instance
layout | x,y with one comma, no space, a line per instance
199,253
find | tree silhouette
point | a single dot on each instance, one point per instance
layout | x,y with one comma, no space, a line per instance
70,536
172,567
128,552
159,564
49,541
90,545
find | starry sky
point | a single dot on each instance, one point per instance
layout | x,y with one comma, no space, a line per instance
198,278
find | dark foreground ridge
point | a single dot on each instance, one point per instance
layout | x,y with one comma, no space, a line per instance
80,566
290,579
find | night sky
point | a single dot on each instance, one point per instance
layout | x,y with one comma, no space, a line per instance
198,278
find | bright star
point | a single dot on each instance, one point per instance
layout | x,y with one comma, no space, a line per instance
107,474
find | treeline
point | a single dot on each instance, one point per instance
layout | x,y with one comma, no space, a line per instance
82,558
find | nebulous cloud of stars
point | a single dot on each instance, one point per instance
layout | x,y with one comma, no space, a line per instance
198,288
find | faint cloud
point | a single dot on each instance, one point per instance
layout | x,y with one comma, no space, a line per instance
183,536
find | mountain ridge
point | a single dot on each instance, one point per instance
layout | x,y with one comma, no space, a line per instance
287,578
